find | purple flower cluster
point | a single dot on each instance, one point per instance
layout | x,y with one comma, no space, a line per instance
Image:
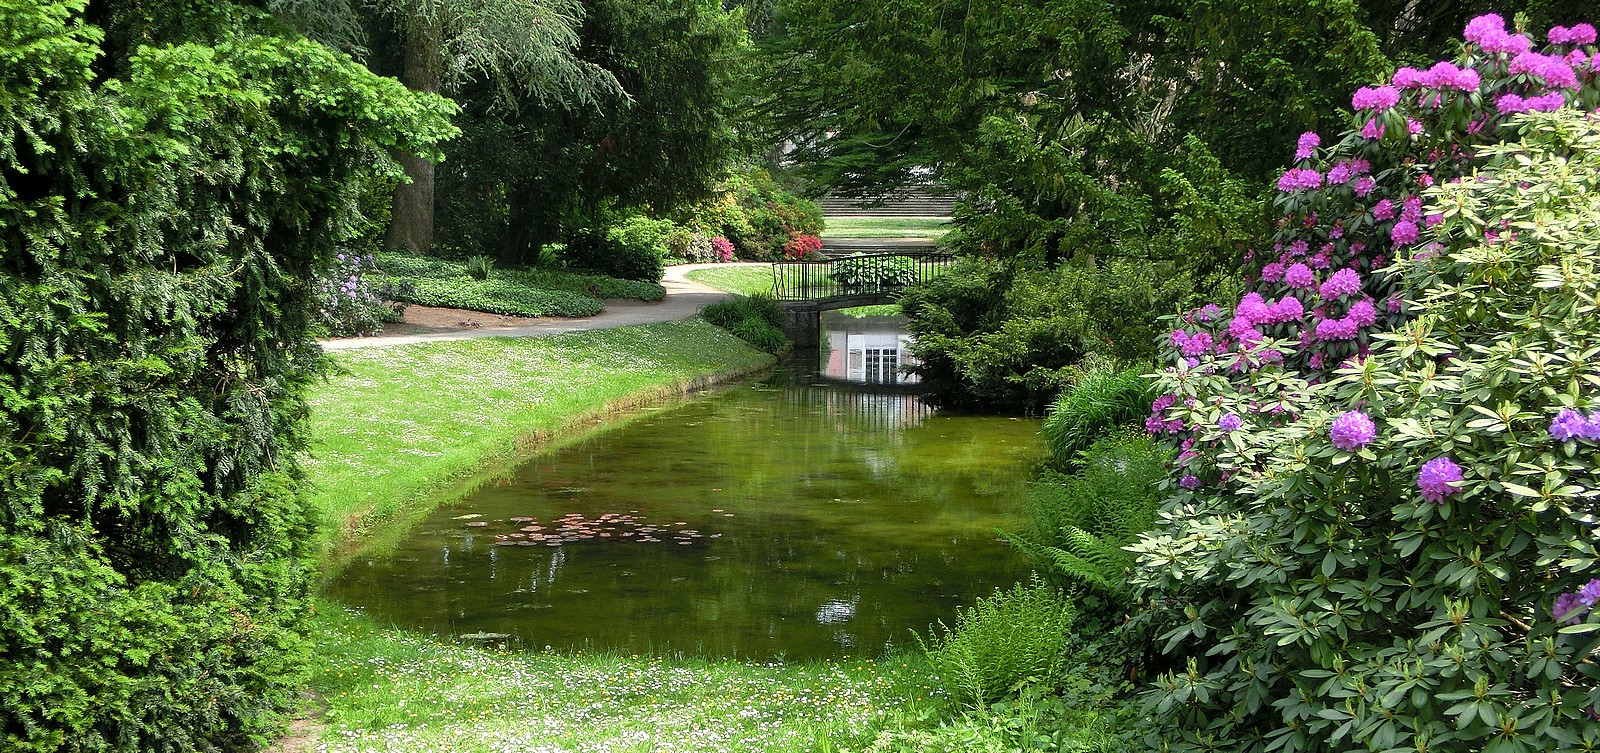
1230,423
1380,98
1443,75
1579,34
1404,233
1489,33
1553,71
1439,478
1300,276
1572,608
1300,179
1508,104
1570,424
1197,344
1306,148
1352,430
1345,282
1157,422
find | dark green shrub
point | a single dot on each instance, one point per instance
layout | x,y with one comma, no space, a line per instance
1003,643
165,219
630,253
1011,338
760,334
1103,396
756,319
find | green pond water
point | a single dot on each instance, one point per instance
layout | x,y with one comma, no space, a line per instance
797,516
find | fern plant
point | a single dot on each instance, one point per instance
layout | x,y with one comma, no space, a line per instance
1080,522
1007,641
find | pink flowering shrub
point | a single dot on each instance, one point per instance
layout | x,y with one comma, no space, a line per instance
1388,547
801,246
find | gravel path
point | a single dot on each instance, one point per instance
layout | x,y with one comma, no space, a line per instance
684,299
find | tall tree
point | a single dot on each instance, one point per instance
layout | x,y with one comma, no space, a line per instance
520,49
521,174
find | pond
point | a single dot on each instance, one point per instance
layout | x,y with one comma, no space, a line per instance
799,516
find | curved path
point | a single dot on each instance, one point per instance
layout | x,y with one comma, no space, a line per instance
684,299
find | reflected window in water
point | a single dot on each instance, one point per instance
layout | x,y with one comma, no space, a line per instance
866,350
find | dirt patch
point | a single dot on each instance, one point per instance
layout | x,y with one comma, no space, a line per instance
305,729
422,320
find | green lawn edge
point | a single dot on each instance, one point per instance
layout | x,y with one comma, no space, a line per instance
395,432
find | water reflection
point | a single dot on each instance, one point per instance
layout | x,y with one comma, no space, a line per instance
866,349
798,515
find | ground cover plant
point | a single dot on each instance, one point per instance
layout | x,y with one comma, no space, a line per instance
430,281
165,205
396,430
1381,535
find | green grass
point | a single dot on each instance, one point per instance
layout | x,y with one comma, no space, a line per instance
743,279
403,429
885,227
390,690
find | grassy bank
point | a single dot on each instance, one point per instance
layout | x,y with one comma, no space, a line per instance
403,429
740,279
389,690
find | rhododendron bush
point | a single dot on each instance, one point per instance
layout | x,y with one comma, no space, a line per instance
1382,529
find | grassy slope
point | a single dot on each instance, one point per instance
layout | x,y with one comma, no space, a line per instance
404,428
885,227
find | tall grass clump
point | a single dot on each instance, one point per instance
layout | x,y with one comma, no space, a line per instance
755,319
1004,643
1104,396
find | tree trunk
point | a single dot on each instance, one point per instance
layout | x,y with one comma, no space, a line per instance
411,214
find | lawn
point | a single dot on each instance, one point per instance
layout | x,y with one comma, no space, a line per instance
391,690
885,227
743,279
399,430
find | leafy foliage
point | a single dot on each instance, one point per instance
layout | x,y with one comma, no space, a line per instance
1003,643
756,214
872,274
633,250
1005,337
167,206
1334,585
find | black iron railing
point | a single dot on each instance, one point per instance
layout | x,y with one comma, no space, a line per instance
882,275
